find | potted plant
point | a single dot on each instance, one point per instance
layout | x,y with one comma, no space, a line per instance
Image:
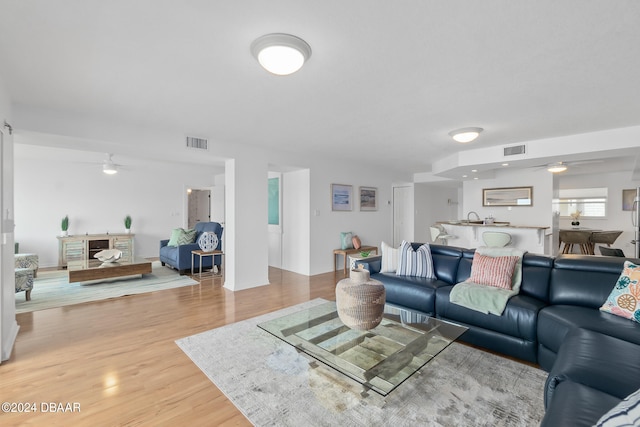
64,225
127,223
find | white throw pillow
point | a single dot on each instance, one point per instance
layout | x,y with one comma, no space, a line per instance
389,258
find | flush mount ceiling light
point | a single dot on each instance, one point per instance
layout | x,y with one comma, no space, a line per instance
465,135
281,54
557,167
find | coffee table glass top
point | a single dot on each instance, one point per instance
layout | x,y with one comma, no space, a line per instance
380,359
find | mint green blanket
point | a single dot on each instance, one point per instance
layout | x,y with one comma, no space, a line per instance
488,299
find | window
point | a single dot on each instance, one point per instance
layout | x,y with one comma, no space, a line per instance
591,202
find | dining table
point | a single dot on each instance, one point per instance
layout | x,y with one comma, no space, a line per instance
586,238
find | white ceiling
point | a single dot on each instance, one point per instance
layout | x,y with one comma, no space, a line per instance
386,82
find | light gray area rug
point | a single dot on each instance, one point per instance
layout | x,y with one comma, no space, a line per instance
52,288
274,385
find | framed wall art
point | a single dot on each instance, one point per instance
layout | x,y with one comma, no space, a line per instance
341,197
508,196
368,199
627,199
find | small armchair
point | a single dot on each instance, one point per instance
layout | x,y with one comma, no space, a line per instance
179,257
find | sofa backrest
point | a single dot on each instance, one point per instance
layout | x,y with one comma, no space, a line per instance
445,261
583,280
536,270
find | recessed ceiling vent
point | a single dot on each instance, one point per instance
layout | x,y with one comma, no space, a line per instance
515,150
197,143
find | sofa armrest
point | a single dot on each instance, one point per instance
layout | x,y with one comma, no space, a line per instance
164,243
371,263
595,360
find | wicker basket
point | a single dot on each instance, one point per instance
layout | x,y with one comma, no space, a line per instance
360,300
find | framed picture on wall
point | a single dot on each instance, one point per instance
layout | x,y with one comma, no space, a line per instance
368,199
627,199
508,196
341,197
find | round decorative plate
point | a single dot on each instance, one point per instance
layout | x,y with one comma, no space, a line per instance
208,241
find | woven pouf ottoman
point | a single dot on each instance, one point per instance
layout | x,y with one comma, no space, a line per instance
360,300
24,281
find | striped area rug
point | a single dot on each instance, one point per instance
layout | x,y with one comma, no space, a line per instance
52,289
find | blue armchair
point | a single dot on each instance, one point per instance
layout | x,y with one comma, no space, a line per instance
179,257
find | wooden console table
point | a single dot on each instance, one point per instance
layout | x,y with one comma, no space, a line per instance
85,246
346,252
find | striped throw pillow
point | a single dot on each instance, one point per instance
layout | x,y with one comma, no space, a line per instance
415,263
389,258
493,271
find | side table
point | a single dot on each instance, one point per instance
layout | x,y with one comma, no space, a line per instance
200,254
346,252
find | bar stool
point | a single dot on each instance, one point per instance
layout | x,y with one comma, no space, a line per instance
582,238
496,239
439,233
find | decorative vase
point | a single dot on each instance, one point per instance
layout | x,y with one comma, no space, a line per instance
127,231
360,300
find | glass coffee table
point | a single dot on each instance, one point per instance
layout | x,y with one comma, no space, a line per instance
380,359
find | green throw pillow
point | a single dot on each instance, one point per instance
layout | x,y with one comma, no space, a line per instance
180,236
175,234
187,236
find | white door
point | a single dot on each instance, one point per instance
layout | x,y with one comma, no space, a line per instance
199,207
402,215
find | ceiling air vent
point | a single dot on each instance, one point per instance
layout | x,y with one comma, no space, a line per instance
197,143
514,150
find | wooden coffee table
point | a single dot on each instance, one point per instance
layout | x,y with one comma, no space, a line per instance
93,269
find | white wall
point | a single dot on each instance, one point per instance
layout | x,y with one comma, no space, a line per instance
153,193
540,214
371,226
296,221
247,244
433,203
616,219
8,326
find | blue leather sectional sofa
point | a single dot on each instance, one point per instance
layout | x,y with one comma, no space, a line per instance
179,257
559,297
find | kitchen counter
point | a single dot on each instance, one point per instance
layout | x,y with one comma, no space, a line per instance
495,224
528,238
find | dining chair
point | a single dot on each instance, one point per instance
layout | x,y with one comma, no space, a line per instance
576,237
611,251
605,237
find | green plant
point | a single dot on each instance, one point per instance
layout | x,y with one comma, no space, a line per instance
127,222
365,253
65,223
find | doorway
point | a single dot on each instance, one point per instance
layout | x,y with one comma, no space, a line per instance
402,215
199,206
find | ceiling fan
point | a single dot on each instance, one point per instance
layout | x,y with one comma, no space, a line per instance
557,167
109,167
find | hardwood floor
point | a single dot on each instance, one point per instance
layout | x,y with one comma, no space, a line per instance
118,360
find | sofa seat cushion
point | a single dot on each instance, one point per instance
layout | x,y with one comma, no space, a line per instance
519,318
555,321
574,404
416,293
169,253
